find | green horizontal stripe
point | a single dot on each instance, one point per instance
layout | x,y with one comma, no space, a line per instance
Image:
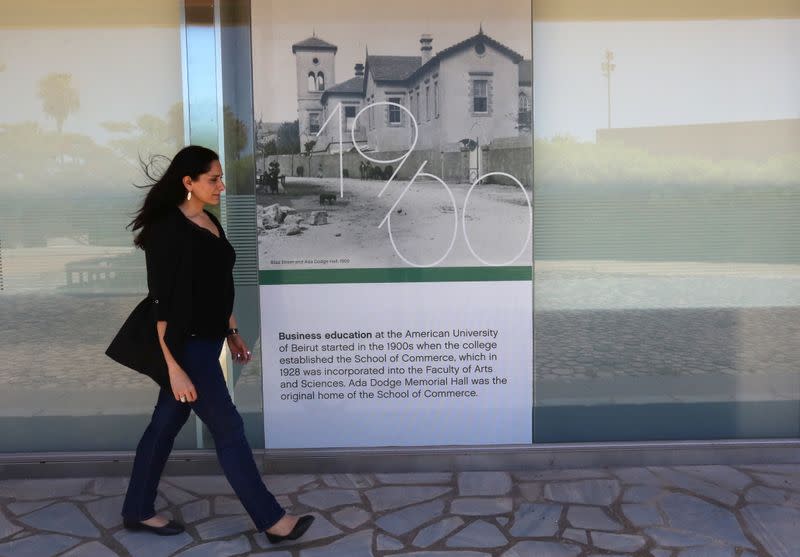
410,274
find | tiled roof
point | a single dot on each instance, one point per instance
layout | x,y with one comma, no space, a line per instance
526,72
354,85
402,68
392,68
312,43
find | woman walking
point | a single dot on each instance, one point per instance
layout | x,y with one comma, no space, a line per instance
175,336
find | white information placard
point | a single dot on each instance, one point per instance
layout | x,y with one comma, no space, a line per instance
397,364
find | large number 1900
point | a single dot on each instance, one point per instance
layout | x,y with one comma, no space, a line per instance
419,173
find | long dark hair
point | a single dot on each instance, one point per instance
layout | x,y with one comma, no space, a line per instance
167,191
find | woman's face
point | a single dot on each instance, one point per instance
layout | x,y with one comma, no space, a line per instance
208,187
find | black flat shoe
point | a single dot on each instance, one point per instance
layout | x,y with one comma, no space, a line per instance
299,529
171,528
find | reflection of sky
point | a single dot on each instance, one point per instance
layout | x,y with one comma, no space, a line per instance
119,73
668,73
202,70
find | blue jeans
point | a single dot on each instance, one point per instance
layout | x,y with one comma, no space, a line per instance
214,406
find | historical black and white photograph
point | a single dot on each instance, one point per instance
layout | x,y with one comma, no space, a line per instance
394,139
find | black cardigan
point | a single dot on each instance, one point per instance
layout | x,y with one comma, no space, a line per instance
169,277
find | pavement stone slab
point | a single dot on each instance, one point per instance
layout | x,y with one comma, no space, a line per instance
107,487
542,549
321,528
478,506
354,545
391,497
106,511
692,514
175,495
698,486
226,505
708,552
230,548
480,534
388,543
324,499
83,498
779,481
761,494
352,517
790,469
64,518
670,537
531,491
33,490
579,536
91,549
224,527
627,543
484,483
145,544
592,518
777,528
661,553
724,476
426,478
196,510
201,485
636,476
443,554
7,528
435,532
642,515
38,545
536,520
405,520
28,506
641,494
588,492
285,484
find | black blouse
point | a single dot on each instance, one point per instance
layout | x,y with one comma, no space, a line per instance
212,282
190,284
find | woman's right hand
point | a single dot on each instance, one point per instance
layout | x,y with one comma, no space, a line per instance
181,385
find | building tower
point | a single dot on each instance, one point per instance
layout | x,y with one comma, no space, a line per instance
315,63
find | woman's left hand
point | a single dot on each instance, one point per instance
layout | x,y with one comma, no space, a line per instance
238,348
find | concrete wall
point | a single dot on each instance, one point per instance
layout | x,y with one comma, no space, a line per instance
513,156
750,141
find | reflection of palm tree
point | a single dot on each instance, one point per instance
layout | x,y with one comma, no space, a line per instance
59,97
148,134
236,133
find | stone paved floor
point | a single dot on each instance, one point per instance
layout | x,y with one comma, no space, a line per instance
691,511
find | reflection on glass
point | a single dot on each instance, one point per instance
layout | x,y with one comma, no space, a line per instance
667,229
83,104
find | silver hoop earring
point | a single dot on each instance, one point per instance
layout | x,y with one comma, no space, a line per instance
189,196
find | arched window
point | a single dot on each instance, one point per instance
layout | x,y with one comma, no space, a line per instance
524,103
524,117
312,82
320,81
